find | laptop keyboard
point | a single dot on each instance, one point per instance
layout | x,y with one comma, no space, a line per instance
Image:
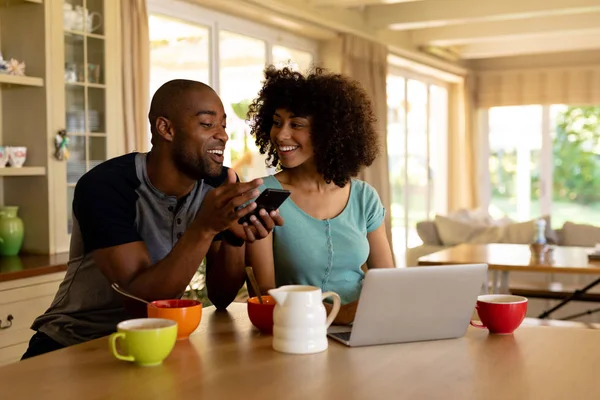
342,335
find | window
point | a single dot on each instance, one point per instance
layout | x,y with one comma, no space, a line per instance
417,155
297,59
241,64
230,55
178,50
515,150
544,160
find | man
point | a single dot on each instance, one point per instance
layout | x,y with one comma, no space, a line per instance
146,222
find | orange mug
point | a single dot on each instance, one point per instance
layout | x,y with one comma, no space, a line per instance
187,314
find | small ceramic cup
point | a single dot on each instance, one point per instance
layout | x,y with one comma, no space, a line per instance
500,313
187,314
17,156
144,341
261,315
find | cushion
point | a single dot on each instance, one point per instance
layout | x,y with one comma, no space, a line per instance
428,233
517,233
580,235
453,232
478,216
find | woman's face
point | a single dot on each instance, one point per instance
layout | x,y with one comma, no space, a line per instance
291,136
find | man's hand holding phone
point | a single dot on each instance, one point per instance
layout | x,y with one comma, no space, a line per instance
259,222
253,221
223,206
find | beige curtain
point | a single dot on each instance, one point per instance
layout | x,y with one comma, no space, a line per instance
573,85
136,73
366,62
462,148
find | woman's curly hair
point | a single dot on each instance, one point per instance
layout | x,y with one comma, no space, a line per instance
343,123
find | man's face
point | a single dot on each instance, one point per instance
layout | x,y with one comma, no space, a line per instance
199,138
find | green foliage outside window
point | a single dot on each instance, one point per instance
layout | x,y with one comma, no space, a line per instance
576,154
576,149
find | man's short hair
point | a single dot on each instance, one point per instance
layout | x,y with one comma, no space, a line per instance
169,99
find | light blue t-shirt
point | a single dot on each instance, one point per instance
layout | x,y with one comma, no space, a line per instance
326,253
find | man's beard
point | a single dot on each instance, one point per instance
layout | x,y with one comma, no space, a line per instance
194,166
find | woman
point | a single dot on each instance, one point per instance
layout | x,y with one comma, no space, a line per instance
318,129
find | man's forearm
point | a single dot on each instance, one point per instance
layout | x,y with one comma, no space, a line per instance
169,278
225,274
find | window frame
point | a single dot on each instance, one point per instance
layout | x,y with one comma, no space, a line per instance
216,21
407,75
545,165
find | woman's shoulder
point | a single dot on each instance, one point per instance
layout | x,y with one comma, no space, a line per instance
368,201
363,190
270,182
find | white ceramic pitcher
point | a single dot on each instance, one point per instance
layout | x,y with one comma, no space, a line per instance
300,320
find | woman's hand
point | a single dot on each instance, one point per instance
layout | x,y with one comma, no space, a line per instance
346,314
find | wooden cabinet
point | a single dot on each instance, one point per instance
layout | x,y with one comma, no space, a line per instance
73,82
23,300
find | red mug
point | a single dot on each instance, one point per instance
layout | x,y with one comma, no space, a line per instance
500,313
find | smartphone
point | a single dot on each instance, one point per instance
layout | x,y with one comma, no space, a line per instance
269,200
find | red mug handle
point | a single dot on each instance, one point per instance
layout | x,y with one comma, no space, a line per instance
477,324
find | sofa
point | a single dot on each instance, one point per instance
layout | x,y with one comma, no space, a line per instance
478,227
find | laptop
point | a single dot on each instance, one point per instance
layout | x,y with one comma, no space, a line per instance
399,305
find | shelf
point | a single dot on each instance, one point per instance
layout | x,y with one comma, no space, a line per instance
6,79
23,171
79,35
97,85
14,2
88,84
28,265
87,134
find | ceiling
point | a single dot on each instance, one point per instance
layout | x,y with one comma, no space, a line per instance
433,32
475,29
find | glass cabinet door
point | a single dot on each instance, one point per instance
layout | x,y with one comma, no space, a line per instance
85,90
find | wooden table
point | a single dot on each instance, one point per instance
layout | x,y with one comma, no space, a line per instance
504,258
227,359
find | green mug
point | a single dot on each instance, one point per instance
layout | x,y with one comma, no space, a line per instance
144,341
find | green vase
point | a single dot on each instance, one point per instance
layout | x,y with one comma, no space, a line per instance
11,231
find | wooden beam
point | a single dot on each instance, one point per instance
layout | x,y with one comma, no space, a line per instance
244,9
559,43
453,35
336,19
347,21
436,13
